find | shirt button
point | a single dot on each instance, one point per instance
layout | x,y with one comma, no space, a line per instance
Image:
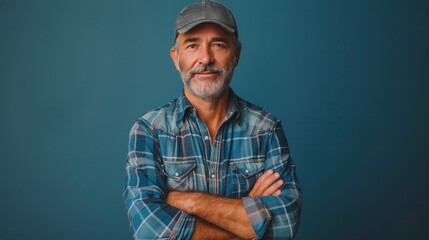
176,174
206,137
213,175
247,171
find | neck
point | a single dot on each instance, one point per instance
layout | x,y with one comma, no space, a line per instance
211,111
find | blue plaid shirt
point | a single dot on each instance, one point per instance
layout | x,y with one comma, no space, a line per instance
170,149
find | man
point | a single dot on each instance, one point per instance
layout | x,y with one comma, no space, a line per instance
209,165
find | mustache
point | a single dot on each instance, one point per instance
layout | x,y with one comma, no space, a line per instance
206,68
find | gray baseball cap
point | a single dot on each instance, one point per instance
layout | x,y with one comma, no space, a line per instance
205,11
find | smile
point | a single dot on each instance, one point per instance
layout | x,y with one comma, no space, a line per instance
207,73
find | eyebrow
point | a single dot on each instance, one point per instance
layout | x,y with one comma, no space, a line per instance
219,39
191,40
196,39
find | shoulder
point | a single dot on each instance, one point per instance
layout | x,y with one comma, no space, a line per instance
163,118
254,119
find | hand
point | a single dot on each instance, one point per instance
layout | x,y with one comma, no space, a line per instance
267,185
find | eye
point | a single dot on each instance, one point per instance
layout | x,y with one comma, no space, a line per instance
192,46
219,45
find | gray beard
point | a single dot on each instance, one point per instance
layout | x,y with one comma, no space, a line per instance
211,90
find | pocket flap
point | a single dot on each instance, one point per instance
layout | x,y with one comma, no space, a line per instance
178,170
249,168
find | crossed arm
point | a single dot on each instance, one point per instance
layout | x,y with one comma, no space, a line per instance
220,217
154,212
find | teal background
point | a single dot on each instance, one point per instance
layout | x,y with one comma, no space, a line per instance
349,79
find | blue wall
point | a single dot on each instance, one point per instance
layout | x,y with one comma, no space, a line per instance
349,79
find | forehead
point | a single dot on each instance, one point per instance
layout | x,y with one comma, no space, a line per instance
206,31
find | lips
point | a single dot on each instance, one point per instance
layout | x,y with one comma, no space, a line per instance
207,72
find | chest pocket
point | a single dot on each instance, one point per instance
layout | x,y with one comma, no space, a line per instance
243,175
180,174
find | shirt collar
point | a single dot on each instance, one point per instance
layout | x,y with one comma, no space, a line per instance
233,106
183,106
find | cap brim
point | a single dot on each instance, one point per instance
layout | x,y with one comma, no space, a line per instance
198,22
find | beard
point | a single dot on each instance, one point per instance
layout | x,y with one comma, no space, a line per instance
208,88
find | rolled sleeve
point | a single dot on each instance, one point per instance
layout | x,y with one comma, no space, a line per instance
259,216
285,217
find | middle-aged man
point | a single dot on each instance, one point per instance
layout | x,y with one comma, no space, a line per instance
209,165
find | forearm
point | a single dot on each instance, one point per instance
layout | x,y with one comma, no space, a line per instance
205,230
226,213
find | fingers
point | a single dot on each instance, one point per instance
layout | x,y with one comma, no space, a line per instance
277,193
273,188
267,185
257,190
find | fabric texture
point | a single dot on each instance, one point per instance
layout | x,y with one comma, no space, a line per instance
170,149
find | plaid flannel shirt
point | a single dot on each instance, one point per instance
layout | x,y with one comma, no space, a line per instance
170,149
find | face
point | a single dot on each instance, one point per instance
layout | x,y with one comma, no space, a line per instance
206,57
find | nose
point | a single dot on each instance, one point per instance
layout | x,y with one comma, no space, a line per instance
206,55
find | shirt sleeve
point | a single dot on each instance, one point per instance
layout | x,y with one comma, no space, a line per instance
145,191
277,217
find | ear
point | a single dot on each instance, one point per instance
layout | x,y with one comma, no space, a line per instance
174,57
237,53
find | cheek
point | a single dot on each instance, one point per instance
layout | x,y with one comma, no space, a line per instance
185,62
228,61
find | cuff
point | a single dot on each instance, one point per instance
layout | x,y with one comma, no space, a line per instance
184,227
259,216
